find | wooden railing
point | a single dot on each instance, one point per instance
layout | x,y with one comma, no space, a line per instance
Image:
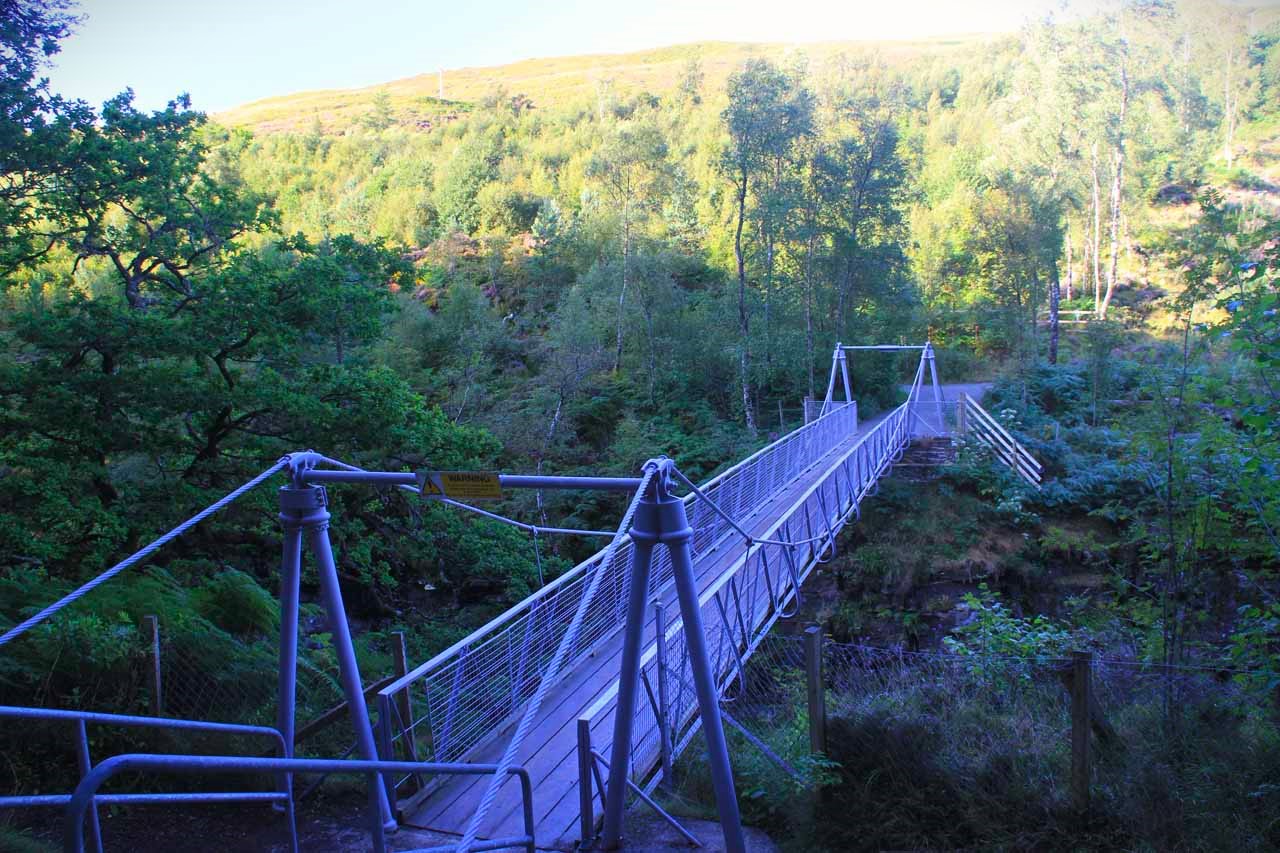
978,422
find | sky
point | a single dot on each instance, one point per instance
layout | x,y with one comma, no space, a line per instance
228,52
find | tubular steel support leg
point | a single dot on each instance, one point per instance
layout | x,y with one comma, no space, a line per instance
831,383
82,759
676,535
306,504
844,374
662,518
644,535
290,580
937,389
664,700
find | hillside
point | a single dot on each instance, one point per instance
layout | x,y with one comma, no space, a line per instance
565,79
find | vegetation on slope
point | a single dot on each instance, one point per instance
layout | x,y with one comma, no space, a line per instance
657,265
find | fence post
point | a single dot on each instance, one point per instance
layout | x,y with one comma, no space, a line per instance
153,671
1081,673
808,407
404,702
816,692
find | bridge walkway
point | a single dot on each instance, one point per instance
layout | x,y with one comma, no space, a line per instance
550,750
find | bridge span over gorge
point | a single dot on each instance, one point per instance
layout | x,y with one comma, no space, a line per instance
540,727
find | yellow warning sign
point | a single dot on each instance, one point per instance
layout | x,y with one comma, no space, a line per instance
460,485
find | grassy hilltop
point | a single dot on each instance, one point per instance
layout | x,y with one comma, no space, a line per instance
552,81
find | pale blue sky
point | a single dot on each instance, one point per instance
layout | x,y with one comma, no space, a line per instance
227,52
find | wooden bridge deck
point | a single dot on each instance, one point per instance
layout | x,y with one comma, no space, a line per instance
550,750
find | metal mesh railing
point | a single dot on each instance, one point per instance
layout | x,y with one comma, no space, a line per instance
934,418
468,691
740,607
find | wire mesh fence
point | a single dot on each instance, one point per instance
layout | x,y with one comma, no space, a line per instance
181,670
238,682
1176,755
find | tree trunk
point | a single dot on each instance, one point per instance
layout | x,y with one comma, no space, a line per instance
768,295
744,321
1054,298
1097,233
1117,186
808,310
622,294
842,307
1228,110
1071,272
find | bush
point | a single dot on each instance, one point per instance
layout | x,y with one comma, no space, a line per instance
236,603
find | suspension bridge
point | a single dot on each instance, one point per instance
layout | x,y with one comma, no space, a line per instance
540,726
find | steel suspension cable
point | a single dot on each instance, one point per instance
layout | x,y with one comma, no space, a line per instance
548,677
135,557
751,540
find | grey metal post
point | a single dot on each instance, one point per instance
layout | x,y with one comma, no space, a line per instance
664,702
844,373
676,534
831,383
662,518
937,389
290,581
317,535
644,536
302,511
85,765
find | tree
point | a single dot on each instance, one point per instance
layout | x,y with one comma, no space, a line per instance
381,115
769,110
36,126
691,80
862,179
136,196
630,166
457,194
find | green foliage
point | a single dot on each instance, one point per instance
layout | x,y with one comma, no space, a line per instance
1253,648
236,603
461,180
992,631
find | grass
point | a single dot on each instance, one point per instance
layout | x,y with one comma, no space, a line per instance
555,81
18,841
937,753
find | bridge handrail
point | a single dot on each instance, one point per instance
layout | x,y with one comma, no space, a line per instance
723,579
1008,449
79,803
793,452
528,602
